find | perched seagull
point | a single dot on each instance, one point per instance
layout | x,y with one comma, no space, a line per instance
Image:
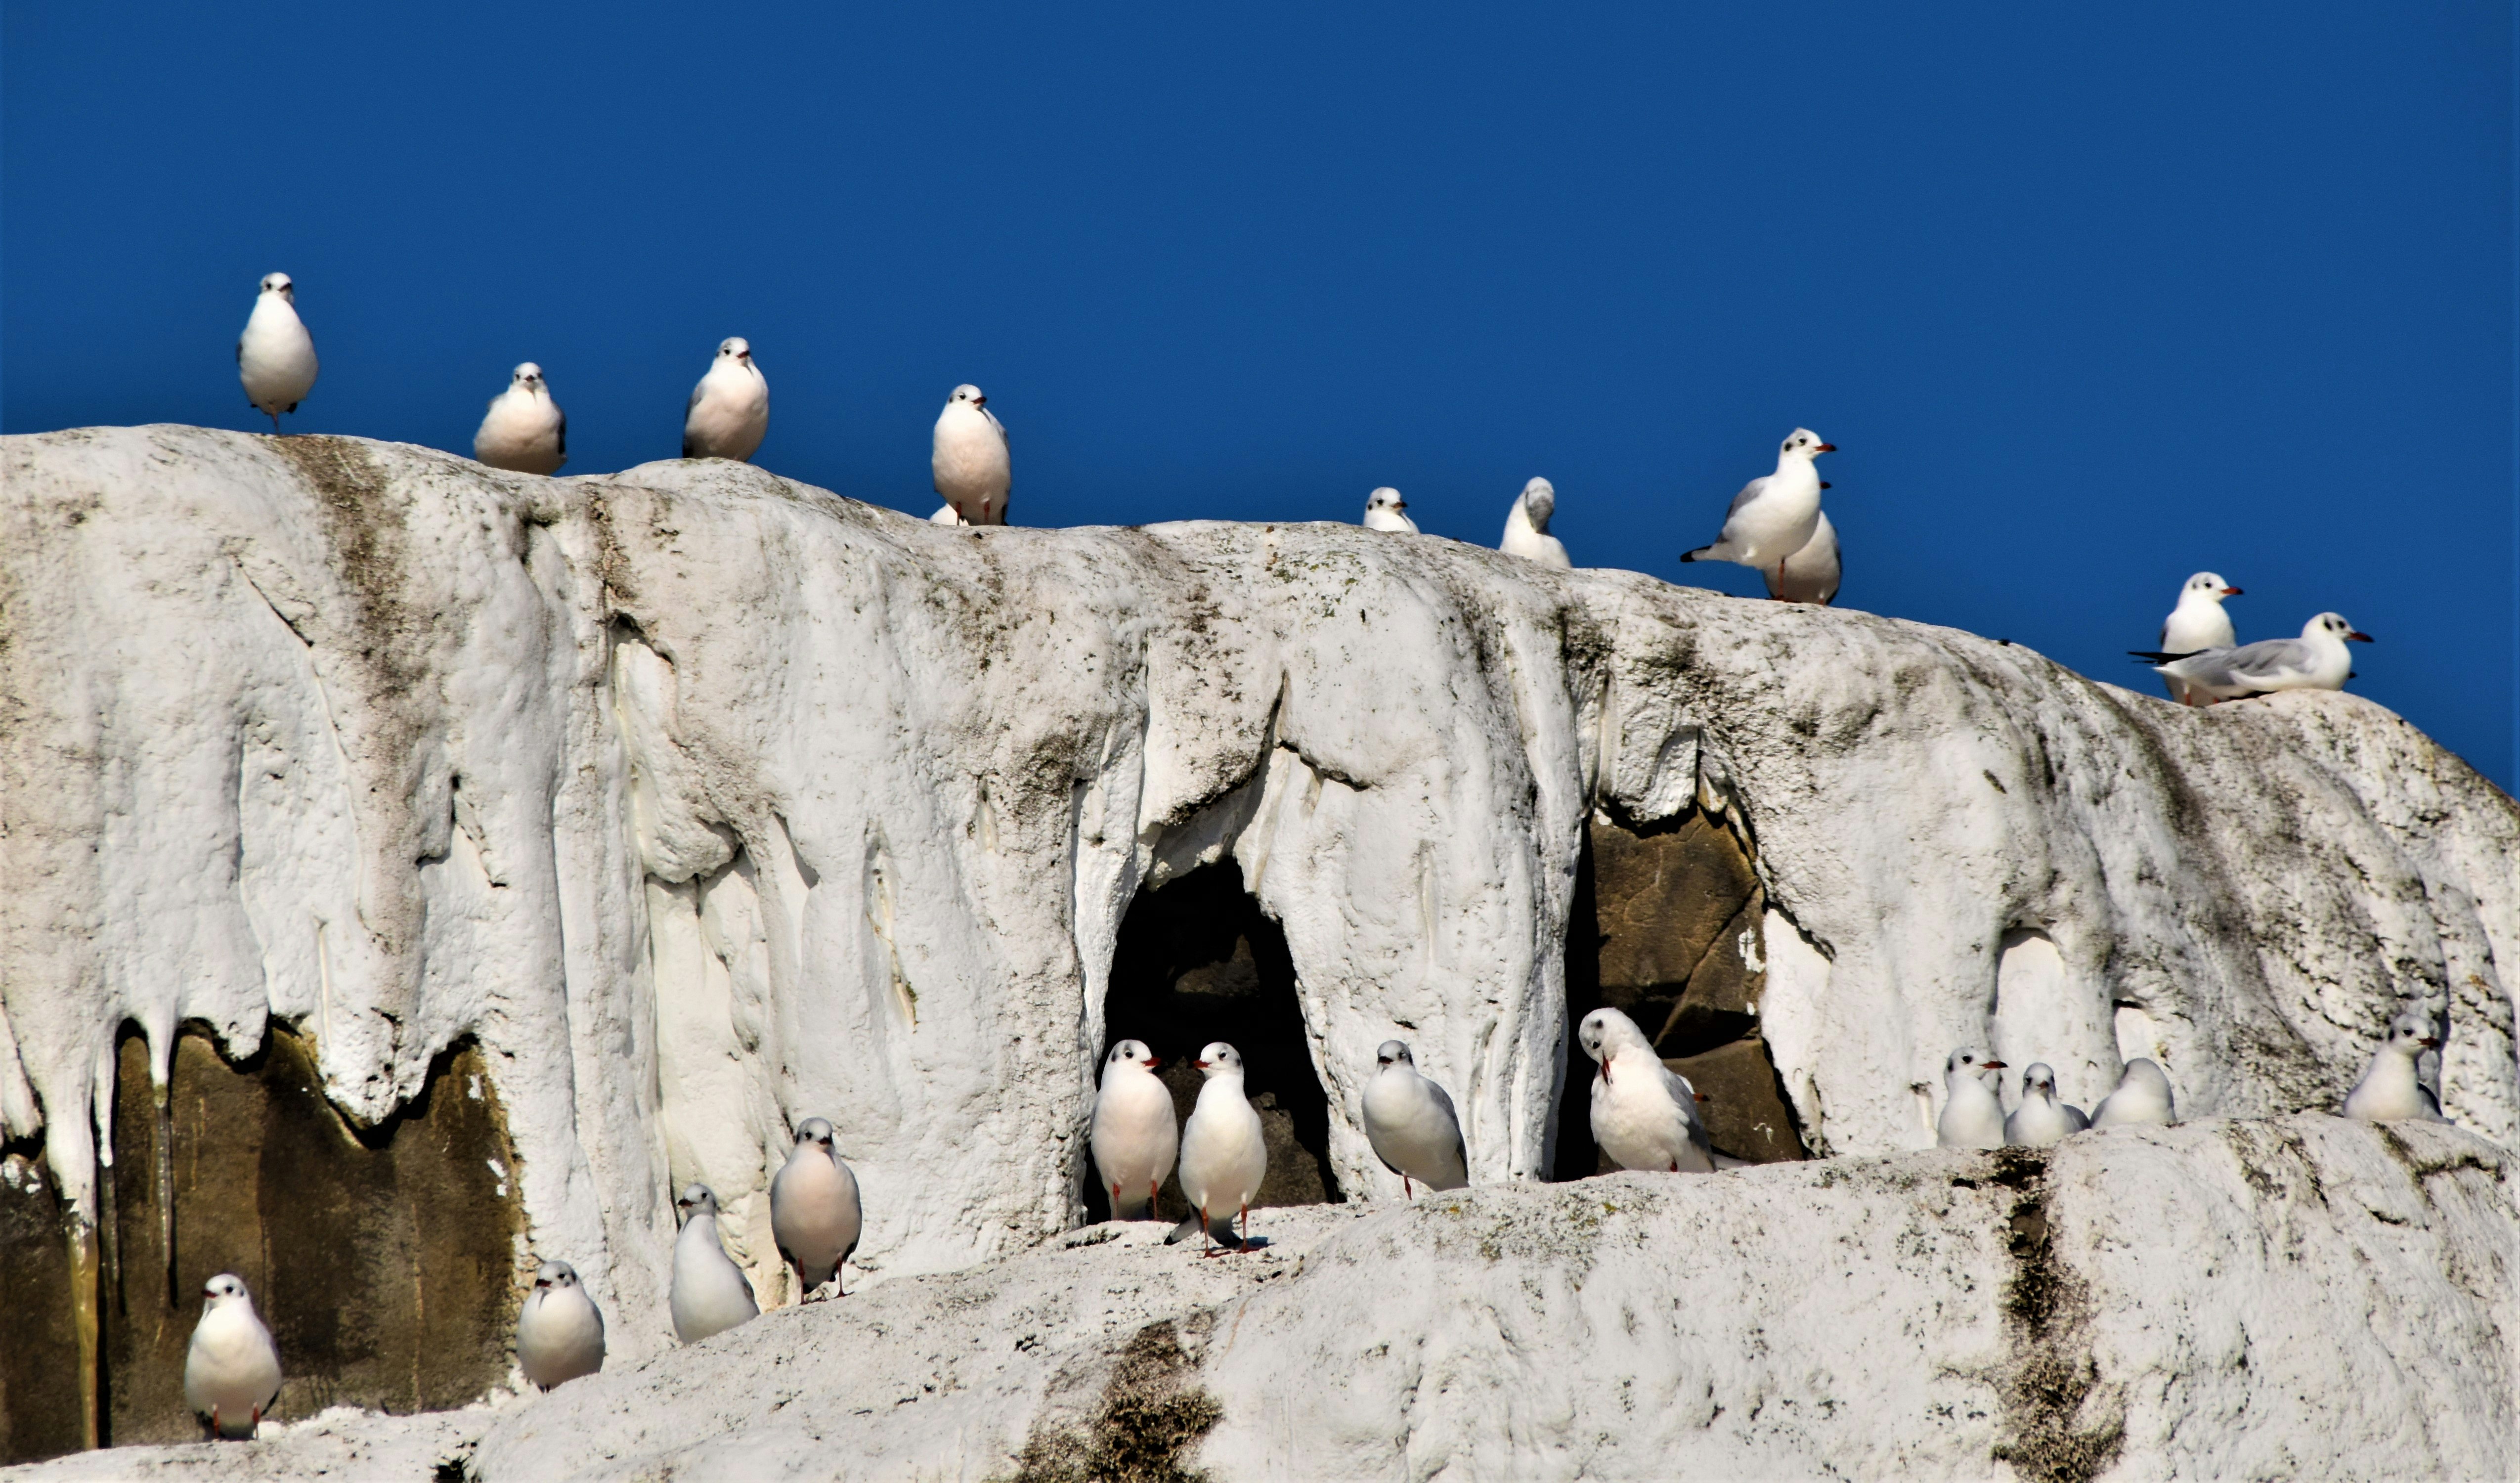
814,1213
559,1332
1811,575
2040,1119
525,431
1385,510
1645,1116
2197,624
276,356
232,1370
2316,660
1775,516
1409,1120
1135,1137
1526,526
710,1293
2142,1096
1972,1116
730,409
1222,1156
972,468
2389,1092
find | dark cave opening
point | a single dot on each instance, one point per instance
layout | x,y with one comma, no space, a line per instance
1199,960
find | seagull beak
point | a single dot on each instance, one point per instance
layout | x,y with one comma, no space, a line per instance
1990,1066
2431,1043
1153,1062
1202,1065
1826,448
2362,638
2230,592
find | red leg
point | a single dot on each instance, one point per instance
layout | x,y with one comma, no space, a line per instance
1208,1243
1155,1211
1246,1224
1406,1193
1115,1197
257,1421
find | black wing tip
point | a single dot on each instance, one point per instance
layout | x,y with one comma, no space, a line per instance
2156,656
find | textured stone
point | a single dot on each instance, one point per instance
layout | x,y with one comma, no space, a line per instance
1744,1104
1721,1003
1663,895
39,1394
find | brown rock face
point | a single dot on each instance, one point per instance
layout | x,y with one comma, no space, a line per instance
39,1379
1744,1108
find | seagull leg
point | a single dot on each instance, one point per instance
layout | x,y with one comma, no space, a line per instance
1115,1197
257,1423
1155,1211
1246,1224
1404,1191
1208,1243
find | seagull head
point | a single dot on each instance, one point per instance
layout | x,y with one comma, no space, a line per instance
1394,1053
2411,1034
2145,1071
1605,1033
1132,1053
2210,586
528,377
1217,1057
1539,503
555,1277
1976,1064
1804,443
2040,1080
222,1290
278,283
694,1201
813,1133
1385,498
2334,625
971,394
736,348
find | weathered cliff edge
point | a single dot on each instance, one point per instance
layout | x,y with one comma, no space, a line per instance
703,801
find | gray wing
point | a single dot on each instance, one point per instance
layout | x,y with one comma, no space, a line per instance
2267,660
1001,426
1444,1100
1749,491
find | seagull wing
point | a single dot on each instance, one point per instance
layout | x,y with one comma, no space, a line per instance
1444,1100
1001,426
2267,659
1749,491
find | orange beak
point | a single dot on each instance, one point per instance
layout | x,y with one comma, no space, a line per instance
1153,1062
1202,1065
2230,592
1990,1066
1826,448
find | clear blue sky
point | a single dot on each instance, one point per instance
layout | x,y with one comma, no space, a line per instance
2088,300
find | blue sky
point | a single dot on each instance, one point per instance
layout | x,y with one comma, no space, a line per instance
2090,301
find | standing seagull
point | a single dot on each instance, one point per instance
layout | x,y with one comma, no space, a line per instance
232,1370
710,1293
1385,510
1775,515
1972,1115
971,463
1645,1116
525,431
814,1213
730,409
275,355
560,1332
1811,575
2197,623
2316,660
1410,1123
2041,1120
2142,1096
1223,1156
1527,527
2390,1089
1135,1137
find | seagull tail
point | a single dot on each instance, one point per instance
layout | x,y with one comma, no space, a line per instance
2156,656
1700,553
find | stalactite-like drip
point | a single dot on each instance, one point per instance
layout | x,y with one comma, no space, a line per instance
163,1094
86,1316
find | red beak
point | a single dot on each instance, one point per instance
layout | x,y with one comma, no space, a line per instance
2230,592
1826,448
2362,638
1990,1066
1153,1062
2431,1044
1202,1065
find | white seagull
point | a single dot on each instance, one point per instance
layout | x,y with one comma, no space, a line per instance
710,1293
2143,1097
1645,1116
814,1212
1527,527
276,356
560,1332
2390,1091
232,1370
730,409
971,463
2041,1120
2316,660
1972,1115
1135,1137
1223,1156
1811,575
1385,510
1410,1123
1775,515
525,431
2199,622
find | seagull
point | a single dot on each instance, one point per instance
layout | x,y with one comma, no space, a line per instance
2142,1096
1972,1117
2316,660
275,355
2390,1091
560,1332
814,1213
1811,575
972,468
2040,1119
1645,1116
525,431
1221,1154
1385,510
710,1293
1410,1123
1135,1137
1774,516
1526,526
232,1370
2197,623
730,409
